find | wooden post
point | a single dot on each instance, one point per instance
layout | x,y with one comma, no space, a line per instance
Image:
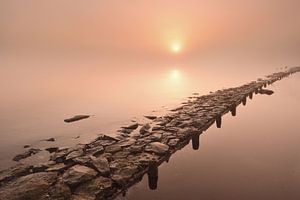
244,100
250,95
233,110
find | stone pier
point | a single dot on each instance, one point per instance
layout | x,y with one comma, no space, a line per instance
107,166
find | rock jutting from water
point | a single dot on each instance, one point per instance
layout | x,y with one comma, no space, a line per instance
76,118
109,165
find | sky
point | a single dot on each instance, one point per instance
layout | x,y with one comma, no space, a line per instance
151,29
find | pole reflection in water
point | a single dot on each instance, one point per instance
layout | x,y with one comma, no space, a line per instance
196,141
153,176
152,172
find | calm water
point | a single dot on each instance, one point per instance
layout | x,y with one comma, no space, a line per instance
255,155
38,92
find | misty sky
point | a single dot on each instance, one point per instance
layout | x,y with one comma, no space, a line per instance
148,28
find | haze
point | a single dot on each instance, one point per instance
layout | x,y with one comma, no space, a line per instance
148,29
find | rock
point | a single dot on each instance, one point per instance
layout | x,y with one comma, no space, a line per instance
157,128
98,188
14,172
26,146
41,167
50,140
145,129
113,149
118,164
186,132
133,126
57,167
26,154
122,175
82,160
30,187
95,151
154,136
101,164
52,149
107,137
136,148
126,143
145,158
78,174
267,92
82,197
121,154
60,191
76,118
126,131
60,155
173,142
74,154
151,117
157,147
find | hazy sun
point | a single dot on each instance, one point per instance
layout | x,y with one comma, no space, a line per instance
176,47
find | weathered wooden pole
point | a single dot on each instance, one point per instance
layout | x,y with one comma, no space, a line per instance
244,100
233,110
250,95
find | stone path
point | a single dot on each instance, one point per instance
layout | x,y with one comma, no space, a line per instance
107,166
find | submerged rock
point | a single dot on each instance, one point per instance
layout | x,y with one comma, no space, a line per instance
52,149
26,154
132,126
267,92
151,117
76,118
50,140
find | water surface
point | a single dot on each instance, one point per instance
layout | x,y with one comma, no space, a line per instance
255,155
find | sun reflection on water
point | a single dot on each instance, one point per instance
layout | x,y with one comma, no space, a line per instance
174,81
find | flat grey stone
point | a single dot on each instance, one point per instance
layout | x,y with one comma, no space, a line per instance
98,188
101,164
157,147
30,187
78,174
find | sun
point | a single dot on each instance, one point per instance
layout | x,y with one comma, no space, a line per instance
176,47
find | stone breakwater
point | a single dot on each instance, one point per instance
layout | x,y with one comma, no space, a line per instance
107,166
